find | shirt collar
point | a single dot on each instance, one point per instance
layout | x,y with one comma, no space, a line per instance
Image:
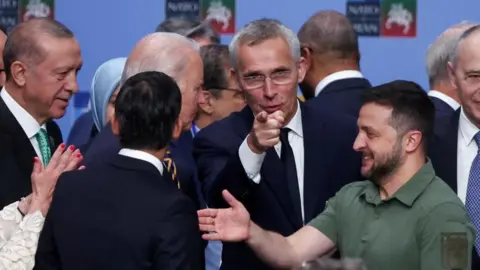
467,129
409,192
137,154
340,75
29,125
445,98
295,123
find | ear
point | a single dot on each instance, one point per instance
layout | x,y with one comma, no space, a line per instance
451,74
413,140
18,71
233,73
302,69
177,129
205,102
115,125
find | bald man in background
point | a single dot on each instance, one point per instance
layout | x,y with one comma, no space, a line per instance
442,92
330,46
3,38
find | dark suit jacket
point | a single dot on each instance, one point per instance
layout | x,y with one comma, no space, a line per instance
342,96
105,145
443,153
121,214
330,163
16,156
442,109
81,131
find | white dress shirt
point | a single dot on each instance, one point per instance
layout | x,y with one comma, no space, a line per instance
252,162
445,98
137,154
340,75
29,125
466,151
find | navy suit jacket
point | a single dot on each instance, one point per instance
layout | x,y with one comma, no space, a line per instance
121,214
342,96
443,153
105,145
82,130
442,109
330,163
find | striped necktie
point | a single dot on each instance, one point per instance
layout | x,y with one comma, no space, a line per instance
472,202
42,139
170,166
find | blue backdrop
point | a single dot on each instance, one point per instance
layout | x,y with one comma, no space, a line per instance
110,28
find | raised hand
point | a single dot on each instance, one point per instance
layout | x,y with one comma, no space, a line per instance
45,179
265,131
230,224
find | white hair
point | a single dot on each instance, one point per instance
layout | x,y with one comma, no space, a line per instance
163,52
442,51
259,31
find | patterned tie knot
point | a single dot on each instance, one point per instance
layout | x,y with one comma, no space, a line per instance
43,143
171,168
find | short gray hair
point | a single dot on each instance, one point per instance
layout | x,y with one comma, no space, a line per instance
162,52
467,33
442,50
189,28
259,31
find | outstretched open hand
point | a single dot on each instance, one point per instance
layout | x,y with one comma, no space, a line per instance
228,224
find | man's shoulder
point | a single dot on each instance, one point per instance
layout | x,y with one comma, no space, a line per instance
439,195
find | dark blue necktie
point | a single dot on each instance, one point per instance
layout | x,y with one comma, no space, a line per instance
472,202
290,168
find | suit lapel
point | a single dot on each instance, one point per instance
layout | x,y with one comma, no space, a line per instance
315,169
24,151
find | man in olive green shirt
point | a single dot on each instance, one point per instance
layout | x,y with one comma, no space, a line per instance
404,217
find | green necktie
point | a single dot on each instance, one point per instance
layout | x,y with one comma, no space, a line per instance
42,139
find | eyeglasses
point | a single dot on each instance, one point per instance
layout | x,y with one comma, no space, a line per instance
283,77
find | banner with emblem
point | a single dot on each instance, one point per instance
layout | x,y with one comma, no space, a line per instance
220,14
29,9
383,18
9,13
187,9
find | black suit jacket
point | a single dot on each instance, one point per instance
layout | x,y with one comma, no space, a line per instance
443,153
442,109
121,214
342,96
330,163
16,156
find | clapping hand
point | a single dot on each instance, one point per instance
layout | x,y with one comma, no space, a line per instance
230,224
44,179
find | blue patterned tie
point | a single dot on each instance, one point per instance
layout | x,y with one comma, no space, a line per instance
472,202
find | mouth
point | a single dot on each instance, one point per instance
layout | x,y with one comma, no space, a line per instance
273,108
64,100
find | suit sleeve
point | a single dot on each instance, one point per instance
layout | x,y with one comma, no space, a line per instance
47,257
220,167
178,242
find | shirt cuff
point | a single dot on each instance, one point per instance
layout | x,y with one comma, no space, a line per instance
251,162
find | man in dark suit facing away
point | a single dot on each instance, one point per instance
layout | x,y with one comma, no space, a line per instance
126,213
333,79
283,159
41,58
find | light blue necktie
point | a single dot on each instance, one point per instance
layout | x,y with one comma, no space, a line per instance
472,202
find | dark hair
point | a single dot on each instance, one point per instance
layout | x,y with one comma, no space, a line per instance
412,109
215,67
189,28
23,41
147,108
